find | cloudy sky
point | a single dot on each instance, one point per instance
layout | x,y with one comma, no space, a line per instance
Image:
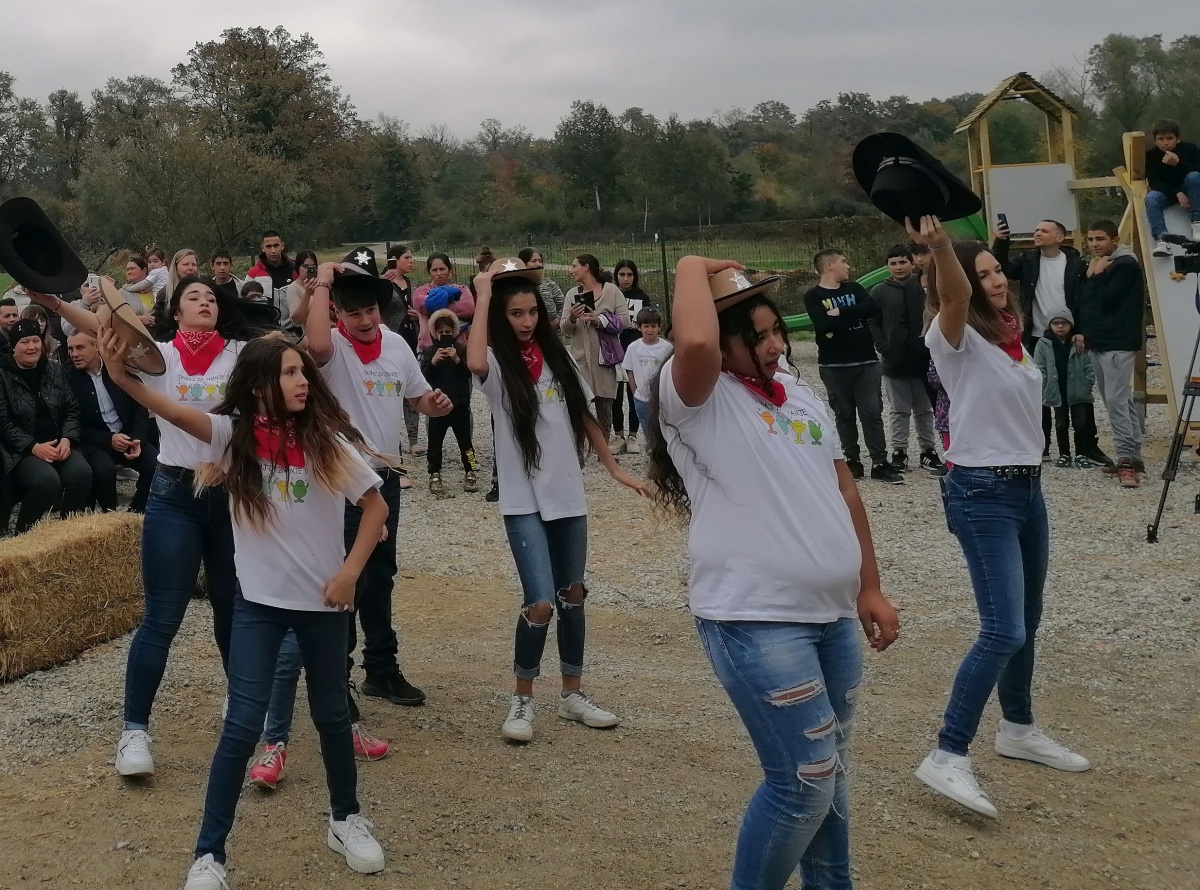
524,61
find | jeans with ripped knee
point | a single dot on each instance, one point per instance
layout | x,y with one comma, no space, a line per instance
794,686
550,555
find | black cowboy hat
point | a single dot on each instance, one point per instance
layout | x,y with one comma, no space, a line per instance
34,252
905,181
359,280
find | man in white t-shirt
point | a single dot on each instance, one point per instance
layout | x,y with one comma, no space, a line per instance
372,371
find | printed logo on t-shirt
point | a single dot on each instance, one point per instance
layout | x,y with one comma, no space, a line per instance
384,387
550,394
794,423
201,389
284,485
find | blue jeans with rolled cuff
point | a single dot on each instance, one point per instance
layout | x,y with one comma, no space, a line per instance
794,686
181,530
1158,202
551,556
1004,532
257,634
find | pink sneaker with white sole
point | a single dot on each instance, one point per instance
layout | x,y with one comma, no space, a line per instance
366,746
267,771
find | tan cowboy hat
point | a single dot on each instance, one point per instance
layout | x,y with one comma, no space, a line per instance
732,286
113,311
513,267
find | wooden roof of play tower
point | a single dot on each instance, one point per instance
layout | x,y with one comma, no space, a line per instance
1021,86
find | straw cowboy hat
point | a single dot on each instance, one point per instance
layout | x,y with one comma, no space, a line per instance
513,267
732,286
113,311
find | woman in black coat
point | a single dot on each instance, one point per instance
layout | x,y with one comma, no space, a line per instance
39,432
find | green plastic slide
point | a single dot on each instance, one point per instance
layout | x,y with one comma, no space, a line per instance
971,228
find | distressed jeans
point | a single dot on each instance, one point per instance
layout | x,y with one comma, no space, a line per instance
794,686
1114,378
1002,527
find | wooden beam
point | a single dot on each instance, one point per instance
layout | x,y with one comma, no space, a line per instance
1134,145
985,164
1094,182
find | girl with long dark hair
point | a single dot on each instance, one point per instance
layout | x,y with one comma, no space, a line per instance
628,280
782,563
543,420
286,453
594,314
994,506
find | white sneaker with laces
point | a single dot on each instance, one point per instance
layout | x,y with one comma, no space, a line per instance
518,725
1040,748
206,874
577,706
353,839
955,780
632,446
133,754
1161,248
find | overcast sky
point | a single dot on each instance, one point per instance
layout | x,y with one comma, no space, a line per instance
524,61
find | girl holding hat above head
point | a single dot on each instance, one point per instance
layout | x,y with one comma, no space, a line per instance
204,333
994,506
289,458
782,564
540,407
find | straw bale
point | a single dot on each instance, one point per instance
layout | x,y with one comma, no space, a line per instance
65,586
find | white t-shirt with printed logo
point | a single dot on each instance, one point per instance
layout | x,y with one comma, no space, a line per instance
287,564
555,490
644,359
995,401
373,394
201,391
771,538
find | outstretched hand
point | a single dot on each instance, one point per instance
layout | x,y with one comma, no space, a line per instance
630,481
930,232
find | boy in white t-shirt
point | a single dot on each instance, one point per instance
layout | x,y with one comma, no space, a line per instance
643,358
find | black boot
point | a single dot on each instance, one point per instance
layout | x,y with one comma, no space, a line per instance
394,688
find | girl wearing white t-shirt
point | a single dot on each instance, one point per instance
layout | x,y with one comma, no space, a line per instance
542,416
287,454
994,506
782,563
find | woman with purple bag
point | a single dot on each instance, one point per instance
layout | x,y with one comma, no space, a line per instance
594,314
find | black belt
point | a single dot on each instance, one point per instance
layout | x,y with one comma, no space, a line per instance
1016,472
179,474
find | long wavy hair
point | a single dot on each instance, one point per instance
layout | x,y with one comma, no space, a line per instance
670,494
981,314
523,407
232,322
254,389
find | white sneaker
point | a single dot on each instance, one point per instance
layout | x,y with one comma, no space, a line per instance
133,754
632,446
616,444
206,874
353,839
1162,248
955,779
578,706
1040,748
518,725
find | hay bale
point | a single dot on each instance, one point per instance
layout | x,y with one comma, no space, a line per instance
65,586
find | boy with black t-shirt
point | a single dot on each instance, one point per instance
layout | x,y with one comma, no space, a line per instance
839,309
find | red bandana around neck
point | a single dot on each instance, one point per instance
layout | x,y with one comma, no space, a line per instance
366,352
772,390
1012,347
532,353
198,350
277,443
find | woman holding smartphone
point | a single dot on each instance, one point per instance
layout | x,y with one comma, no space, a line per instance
594,314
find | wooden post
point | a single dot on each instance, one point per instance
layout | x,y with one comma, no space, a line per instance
1134,145
985,166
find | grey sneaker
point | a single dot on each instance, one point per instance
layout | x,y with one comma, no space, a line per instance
518,725
577,706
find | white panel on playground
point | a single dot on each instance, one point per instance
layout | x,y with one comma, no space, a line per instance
1178,319
1028,194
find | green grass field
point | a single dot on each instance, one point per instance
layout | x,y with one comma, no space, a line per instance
5,282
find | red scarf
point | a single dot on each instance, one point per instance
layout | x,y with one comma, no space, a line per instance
773,391
197,350
281,450
1012,346
532,353
366,352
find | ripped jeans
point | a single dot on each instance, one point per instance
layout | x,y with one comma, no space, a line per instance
550,557
794,686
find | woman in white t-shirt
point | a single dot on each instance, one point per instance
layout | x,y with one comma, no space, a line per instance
289,458
543,420
782,563
994,506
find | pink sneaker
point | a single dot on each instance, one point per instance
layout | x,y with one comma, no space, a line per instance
366,746
267,771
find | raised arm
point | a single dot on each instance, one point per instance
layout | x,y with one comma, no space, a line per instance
697,362
316,325
953,286
477,338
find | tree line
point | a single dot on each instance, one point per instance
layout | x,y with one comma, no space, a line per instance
252,131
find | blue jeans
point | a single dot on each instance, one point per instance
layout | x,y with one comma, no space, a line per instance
283,691
642,410
180,531
550,557
1002,527
794,686
258,631
1158,202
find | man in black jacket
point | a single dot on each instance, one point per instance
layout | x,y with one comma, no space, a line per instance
114,427
1050,277
1110,325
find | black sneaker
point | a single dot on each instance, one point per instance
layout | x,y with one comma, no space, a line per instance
900,460
395,689
856,468
931,462
887,473
1095,455
493,494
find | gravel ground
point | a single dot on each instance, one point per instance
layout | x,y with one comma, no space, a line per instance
657,803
